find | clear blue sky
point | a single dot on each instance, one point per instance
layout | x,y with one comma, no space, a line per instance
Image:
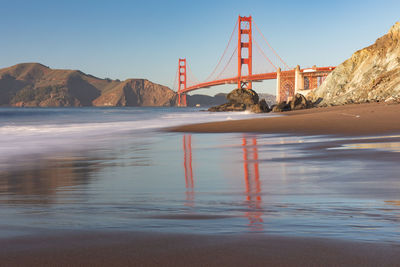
144,39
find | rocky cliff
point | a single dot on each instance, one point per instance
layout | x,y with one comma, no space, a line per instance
33,84
371,74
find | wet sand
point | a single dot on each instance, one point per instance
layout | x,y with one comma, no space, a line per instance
151,249
350,120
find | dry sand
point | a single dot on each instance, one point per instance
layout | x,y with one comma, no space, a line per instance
141,249
355,120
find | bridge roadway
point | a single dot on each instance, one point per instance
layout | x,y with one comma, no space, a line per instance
250,78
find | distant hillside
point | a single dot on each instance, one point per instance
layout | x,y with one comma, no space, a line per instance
270,99
206,100
371,74
33,84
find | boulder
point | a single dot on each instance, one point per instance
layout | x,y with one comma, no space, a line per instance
299,102
228,107
243,96
241,100
281,107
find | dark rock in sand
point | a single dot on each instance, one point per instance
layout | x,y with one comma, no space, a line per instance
243,96
298,102
228,107
261,107
241,100
281,107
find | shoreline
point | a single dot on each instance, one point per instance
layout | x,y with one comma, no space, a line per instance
350,120
154,249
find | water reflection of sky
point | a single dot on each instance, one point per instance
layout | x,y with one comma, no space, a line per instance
211,183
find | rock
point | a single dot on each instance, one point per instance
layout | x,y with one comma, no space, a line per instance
228,107
241,100
263,106
281,107
299,102
391,100
371,74
243,96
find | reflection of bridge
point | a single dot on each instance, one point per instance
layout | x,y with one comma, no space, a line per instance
251,177
242,65
187,165
253,184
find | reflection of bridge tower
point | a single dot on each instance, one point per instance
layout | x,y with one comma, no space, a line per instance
187,164
253,185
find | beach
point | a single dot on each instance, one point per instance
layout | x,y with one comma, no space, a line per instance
149,249
112,187
350,120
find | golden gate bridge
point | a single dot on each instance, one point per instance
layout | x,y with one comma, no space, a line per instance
247,58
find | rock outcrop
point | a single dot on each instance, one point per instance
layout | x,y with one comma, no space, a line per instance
33,84
298,102
370,75
241,100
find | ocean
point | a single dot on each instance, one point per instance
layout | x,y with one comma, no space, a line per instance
117,169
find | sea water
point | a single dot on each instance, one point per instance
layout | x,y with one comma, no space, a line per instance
117,169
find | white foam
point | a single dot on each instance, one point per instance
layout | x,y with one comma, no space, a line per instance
41,138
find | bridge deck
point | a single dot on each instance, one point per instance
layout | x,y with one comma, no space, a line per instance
254,77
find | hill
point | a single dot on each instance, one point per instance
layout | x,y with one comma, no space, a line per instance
371,74
33,84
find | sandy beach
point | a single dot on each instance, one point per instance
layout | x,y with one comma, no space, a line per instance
351,120
260,202
151,249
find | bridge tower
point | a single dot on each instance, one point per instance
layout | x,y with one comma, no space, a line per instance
244,43
182,82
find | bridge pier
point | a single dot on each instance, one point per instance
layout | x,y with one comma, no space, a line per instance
278,85
298,80
182,100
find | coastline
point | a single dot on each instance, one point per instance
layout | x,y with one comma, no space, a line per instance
166,249
349,120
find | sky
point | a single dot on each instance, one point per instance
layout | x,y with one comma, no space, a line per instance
144,39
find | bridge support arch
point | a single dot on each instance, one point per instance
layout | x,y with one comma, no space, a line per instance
299,81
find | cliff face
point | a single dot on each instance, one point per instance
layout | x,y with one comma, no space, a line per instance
33,84
371,74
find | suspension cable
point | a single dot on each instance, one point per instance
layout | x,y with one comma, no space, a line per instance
262,52
227,64
270,46
226,48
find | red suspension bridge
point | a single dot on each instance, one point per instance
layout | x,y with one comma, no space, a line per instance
242,63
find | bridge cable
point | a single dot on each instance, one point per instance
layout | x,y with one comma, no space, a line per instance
270,46
262,52
226,48
195,80
176,77
227,64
